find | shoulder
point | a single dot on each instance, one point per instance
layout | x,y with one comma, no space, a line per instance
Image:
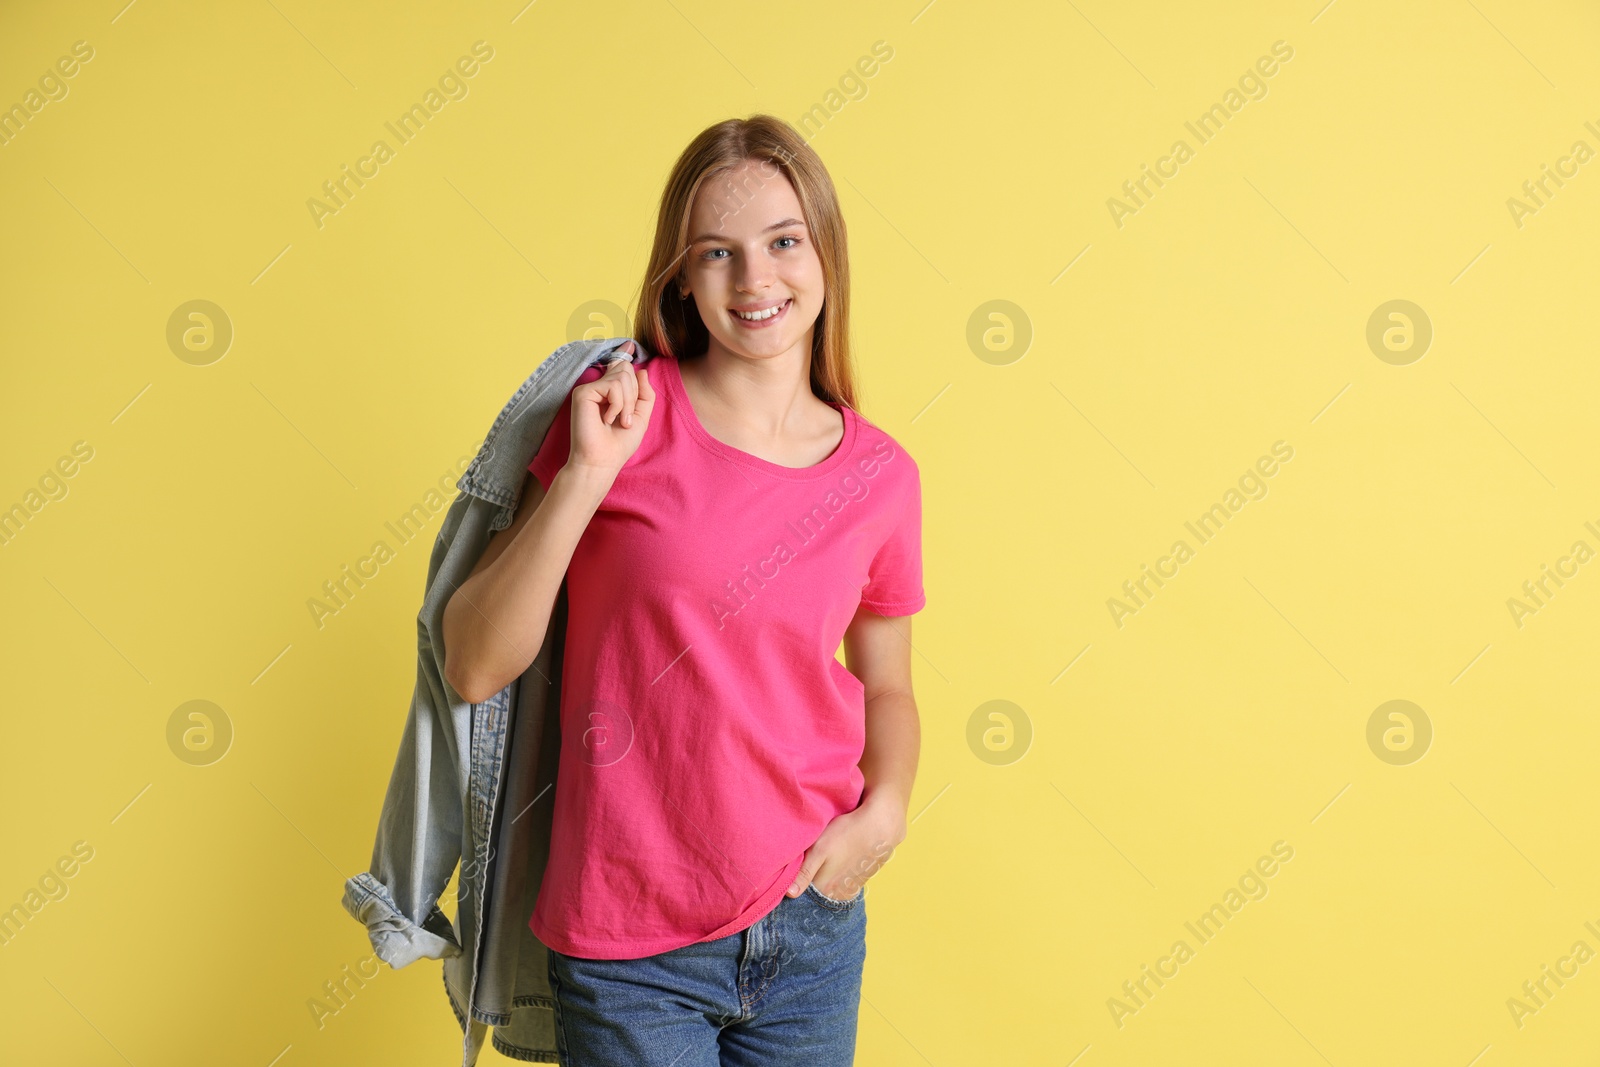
879,456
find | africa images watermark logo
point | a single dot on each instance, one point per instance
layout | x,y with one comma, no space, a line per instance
452,85
1252,85
1252,485
1252,885
737,594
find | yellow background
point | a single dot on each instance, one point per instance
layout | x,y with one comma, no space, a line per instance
1229,313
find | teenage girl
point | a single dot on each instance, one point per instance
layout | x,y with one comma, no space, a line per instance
723,518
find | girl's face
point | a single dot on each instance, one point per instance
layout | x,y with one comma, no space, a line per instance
749,250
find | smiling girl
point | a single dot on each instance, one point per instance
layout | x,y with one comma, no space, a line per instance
723,518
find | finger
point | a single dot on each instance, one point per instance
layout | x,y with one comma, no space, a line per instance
615,393
600,397
614,364
644,400
809,868
630,392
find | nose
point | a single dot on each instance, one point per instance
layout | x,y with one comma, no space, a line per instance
755,274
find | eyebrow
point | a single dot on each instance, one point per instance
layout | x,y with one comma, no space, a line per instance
722,237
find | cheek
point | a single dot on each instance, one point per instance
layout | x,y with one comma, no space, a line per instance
804,279
809,281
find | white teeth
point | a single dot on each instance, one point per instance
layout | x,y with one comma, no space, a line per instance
757,316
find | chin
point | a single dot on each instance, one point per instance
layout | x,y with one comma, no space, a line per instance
755,354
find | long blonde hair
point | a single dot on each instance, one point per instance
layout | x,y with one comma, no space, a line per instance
671,326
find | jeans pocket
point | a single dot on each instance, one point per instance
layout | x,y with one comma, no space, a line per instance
832,904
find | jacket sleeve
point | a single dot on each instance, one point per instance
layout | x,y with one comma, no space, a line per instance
419,840
436,813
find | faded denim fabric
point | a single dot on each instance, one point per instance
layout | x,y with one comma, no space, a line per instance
474,783
783,992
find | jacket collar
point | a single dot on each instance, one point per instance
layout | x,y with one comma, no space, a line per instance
496,473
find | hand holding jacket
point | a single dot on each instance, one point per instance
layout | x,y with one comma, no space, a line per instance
470,775
610,416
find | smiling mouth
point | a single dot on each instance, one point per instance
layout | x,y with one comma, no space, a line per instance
764,316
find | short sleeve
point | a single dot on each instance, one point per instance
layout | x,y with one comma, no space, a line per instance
894,578
553,453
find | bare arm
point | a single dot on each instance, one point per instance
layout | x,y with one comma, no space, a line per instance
495,621
877,649
854,846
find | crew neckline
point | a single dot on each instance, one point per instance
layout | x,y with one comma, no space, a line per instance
680,398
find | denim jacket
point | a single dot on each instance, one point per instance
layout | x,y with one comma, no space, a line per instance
474,783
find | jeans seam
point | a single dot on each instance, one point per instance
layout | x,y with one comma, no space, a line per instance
743,983
835,905
769,966
555,997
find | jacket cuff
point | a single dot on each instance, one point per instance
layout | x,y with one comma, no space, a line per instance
395,938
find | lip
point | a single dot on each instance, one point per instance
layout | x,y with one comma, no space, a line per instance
764,323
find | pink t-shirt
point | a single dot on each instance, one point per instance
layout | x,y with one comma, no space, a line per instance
708,734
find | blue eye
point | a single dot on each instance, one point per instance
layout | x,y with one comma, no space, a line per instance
712,253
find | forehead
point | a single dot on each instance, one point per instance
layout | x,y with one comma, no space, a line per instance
743,201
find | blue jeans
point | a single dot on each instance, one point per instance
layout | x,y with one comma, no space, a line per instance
783,991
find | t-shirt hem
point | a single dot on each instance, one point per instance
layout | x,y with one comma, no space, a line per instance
595,948
607,950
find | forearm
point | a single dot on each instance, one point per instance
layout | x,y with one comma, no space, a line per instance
495,622
889,758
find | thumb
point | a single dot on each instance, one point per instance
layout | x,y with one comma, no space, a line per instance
802,877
